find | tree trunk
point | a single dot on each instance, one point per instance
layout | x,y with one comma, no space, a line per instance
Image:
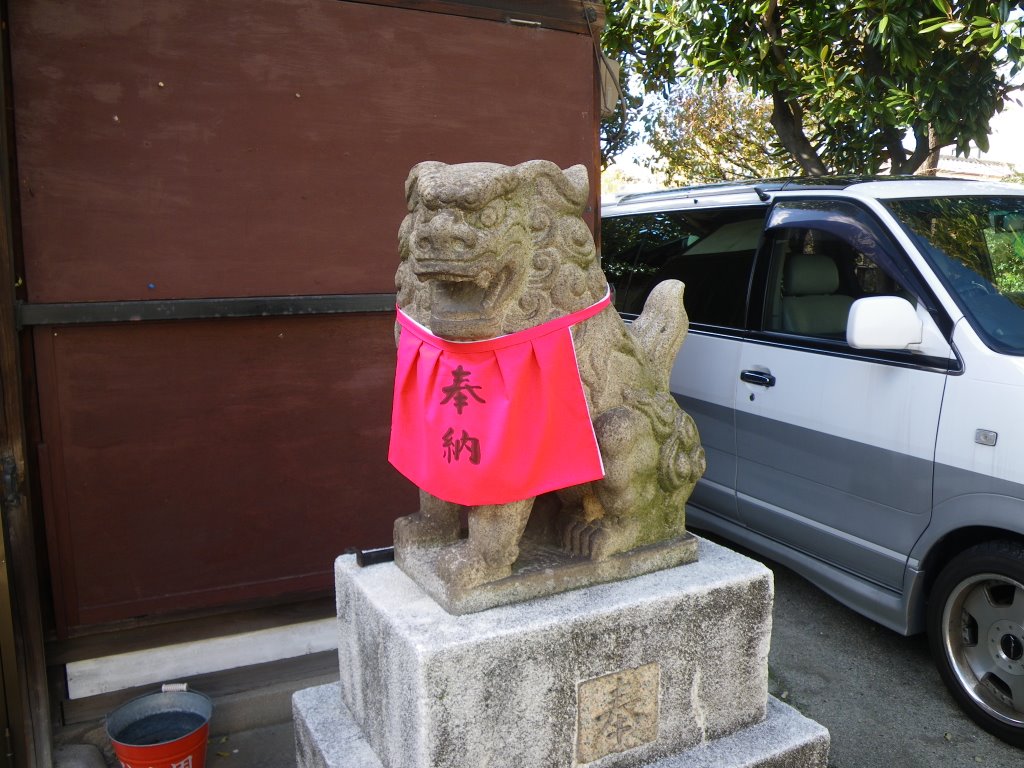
791,134
931,163
924,160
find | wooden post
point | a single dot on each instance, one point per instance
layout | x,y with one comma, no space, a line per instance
22,654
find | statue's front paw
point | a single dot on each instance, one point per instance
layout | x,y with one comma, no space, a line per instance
419,530
598,539
462,567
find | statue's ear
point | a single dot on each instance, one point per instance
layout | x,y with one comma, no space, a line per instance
560,189
579,180
413,179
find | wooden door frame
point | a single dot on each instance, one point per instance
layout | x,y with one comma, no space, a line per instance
24,699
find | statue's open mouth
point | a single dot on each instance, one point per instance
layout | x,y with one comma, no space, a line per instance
464,306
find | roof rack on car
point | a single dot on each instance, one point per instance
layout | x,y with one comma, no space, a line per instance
705,190
763,187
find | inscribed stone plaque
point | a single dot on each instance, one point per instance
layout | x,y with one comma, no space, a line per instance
617,712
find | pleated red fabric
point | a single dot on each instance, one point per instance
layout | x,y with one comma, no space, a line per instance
493,421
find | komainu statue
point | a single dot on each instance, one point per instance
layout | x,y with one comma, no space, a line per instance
539,427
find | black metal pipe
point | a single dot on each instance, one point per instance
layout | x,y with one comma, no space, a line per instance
365,557
81,312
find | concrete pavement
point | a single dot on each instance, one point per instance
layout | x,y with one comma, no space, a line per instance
268,747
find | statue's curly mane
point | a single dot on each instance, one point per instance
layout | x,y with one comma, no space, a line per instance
562,273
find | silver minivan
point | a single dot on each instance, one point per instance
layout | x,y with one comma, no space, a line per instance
855,365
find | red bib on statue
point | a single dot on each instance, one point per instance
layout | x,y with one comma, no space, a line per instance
494,421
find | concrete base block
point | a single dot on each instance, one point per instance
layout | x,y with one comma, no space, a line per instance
618,674
327,737
667,669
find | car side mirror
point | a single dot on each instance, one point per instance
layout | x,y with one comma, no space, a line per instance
883,322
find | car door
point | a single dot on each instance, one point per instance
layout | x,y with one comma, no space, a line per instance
834,445
712,252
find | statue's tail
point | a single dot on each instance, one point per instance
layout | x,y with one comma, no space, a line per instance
661,328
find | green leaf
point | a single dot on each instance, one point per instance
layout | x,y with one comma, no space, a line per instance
930,25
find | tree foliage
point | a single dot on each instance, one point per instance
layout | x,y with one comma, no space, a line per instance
712,134
847,79
647,68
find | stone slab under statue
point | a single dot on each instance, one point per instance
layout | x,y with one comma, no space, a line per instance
524,406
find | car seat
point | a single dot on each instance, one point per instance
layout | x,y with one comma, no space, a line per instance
810,304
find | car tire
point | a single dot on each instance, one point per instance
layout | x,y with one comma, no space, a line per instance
976,633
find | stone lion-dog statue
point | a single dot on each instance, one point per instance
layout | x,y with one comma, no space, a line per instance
493,252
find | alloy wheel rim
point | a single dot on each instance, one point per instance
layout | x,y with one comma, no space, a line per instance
983,638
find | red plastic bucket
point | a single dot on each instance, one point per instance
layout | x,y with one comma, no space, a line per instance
169,729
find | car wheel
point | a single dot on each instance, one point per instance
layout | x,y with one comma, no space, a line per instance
976,633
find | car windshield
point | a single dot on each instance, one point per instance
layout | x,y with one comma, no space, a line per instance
977,245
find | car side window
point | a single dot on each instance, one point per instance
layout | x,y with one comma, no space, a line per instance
711,252
813,279
633,249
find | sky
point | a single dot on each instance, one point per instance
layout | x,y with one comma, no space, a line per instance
1006,142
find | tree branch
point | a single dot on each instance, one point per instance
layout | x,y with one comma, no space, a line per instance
926,150
791,134
787,117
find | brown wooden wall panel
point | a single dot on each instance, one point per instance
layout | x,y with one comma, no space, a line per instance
178,149
567,15
185,148
205,463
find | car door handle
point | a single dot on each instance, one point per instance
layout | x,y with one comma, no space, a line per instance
760,378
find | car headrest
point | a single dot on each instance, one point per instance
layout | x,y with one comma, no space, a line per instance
809,274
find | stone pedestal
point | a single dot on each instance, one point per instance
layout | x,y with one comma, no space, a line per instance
657,669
